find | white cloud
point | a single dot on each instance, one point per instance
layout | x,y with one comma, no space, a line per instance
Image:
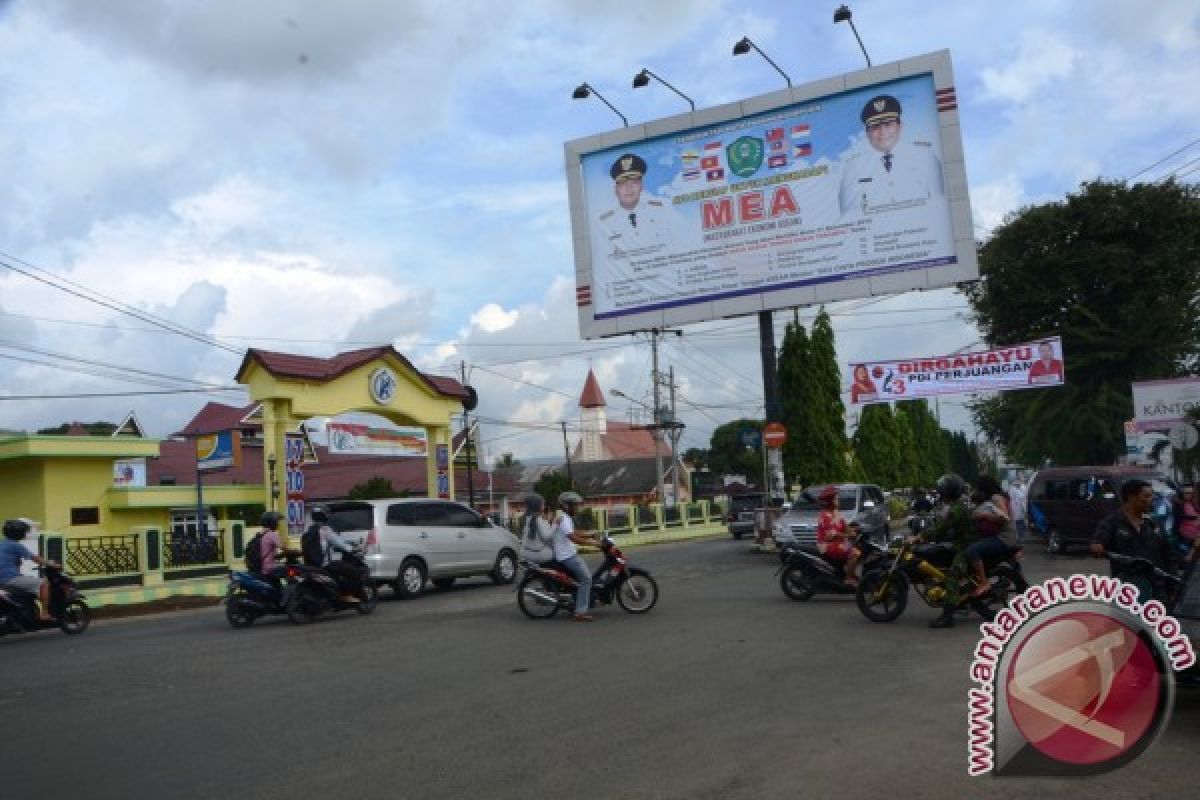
492,318
1042,58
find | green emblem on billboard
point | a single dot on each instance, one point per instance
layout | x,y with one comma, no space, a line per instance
745,156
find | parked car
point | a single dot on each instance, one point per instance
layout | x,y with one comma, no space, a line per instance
410,540
741,513
858,502
1066,503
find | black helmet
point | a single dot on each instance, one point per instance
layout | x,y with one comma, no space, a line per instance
270,519
950,487
319,514
16,529
534,503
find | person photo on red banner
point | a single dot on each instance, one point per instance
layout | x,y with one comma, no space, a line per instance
1047,369
863,387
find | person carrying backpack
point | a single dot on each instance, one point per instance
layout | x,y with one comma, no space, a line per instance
262,549
317,547
537,539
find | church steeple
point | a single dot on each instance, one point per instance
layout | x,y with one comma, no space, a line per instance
592,418
592,397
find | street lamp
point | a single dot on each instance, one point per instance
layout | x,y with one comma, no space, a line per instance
643,78
583,90
745,46
843,15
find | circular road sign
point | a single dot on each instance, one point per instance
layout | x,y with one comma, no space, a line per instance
774,435
1183,436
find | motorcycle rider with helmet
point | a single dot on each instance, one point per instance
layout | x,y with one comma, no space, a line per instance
12,553
958,528
566,553
344,573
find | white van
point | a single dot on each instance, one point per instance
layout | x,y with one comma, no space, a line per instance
413,539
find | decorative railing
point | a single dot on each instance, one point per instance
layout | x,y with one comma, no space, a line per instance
102,555
192,550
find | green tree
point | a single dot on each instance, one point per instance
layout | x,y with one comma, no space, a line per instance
728,456
877,445
810,391
697,457
372,488
552,484
1112,269
794,411
907,464
931,448
506,461
962,456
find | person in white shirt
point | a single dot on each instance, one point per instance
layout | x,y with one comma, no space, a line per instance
567,554
1017,498
891,173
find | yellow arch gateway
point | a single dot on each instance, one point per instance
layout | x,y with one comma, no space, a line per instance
377,380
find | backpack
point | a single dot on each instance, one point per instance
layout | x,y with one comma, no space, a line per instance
253,553
310,546
536,544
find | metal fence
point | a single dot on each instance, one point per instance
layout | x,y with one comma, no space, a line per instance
102,555
191,550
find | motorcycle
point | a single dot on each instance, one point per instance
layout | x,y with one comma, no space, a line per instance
883,592
804,573
314,591
251,596
68,611
547,588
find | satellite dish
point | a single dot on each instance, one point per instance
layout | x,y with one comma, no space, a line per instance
471,400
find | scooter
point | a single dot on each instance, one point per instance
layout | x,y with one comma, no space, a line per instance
547,588
804,573
251,596
68,611
316,591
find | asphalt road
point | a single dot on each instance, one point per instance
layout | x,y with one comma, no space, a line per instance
725,690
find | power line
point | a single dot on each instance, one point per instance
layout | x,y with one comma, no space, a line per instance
525,382
1164,158
64,285
121,394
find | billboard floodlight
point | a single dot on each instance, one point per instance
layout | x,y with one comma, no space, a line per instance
745,46
643,78
583,90
842,14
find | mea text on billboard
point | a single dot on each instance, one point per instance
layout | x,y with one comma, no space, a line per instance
849,187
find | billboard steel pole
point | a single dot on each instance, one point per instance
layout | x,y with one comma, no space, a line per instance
658,460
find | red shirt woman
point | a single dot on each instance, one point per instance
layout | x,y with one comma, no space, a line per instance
832,540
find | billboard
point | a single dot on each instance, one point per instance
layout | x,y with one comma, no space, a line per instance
345,437
1157,405
1034,365
218,450
847,187
129,472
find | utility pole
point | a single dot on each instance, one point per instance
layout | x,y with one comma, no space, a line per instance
675,432
567,452
657,429
467,443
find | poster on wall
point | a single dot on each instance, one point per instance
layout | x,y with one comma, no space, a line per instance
129,473
1033,365
844,193
294,453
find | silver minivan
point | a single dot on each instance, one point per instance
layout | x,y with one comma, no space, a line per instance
413,539
858,502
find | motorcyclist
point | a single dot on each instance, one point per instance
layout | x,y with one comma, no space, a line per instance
835,539
956,527
566,553
537,537
12,554
344,572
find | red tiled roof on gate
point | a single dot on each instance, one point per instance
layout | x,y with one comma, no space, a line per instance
592,397
288,365
217,417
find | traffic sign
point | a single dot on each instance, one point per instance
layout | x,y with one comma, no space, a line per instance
774,434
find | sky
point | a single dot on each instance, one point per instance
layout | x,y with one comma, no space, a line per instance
318,177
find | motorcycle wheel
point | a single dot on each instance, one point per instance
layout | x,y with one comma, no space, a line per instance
796,584
75,618
638,593
297,612
536,607
368,598
237,614
880,603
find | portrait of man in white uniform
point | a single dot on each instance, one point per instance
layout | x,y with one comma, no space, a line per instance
893,173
